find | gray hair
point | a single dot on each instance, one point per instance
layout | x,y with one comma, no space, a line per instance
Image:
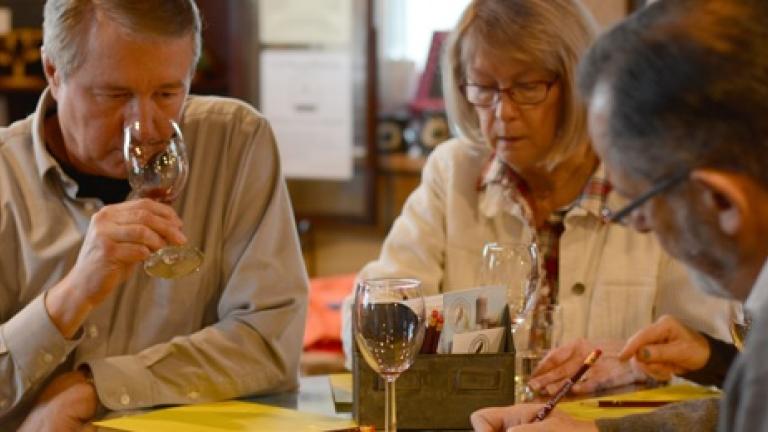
688,88
550,33
66,24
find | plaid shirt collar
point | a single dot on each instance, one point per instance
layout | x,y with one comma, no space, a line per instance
497,174
501,187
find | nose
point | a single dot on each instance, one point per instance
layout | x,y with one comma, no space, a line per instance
149,124
506,108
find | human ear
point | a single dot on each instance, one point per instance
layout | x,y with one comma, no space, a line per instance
52,74
724,194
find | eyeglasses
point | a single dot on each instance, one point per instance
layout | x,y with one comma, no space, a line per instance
661,187
528,93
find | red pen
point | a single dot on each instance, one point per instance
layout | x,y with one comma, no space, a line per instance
355,429
633,403
550,405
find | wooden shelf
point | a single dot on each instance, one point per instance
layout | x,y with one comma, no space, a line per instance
401,163
26,85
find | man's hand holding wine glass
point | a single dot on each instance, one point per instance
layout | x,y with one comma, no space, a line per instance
119,237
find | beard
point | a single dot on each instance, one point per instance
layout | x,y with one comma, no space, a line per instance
707,284
710,256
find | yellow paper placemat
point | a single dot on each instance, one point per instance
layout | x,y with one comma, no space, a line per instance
587,409
226,416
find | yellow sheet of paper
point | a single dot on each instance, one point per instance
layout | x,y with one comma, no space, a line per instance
587,409
341,381
341,387
226,416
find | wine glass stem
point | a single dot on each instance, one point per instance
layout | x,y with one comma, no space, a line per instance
390,416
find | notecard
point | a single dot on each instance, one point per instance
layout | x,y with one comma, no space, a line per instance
470,310
486,341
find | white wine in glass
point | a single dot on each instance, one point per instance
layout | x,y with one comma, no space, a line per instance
158,167
389,329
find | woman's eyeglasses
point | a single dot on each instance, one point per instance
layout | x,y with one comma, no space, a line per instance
527,93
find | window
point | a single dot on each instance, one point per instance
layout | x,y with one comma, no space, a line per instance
405,34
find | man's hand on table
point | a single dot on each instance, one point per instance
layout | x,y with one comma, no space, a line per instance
119,236
516,418
667,347
562,362
67,404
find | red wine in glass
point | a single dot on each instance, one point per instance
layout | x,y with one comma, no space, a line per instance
157,169
158,194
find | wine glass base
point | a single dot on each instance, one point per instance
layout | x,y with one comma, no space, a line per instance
173,262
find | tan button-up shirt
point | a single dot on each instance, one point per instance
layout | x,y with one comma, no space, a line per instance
231,329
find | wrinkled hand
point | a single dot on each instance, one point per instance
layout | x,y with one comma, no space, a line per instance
667,347
119,236
67,404
517,418
561,363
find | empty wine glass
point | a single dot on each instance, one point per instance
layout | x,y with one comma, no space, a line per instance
157,169
389,329
514,266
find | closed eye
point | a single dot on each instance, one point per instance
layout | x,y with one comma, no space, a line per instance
115,95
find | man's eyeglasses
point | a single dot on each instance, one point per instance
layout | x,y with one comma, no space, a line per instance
661,187
528,93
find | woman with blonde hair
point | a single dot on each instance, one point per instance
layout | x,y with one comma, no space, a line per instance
522,170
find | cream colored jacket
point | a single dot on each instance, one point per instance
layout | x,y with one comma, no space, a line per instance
613,280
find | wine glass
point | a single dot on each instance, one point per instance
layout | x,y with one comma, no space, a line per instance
515,266
540,332
389,329
157,169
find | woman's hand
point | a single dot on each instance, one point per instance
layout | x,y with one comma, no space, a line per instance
562,363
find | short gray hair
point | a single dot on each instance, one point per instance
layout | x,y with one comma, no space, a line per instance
551,33
66,24
688,88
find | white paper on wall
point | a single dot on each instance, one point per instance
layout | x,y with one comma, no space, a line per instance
315,22
6,20
307,97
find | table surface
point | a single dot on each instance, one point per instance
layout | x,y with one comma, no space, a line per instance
314,396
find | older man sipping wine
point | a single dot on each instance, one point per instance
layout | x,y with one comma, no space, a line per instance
80,326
